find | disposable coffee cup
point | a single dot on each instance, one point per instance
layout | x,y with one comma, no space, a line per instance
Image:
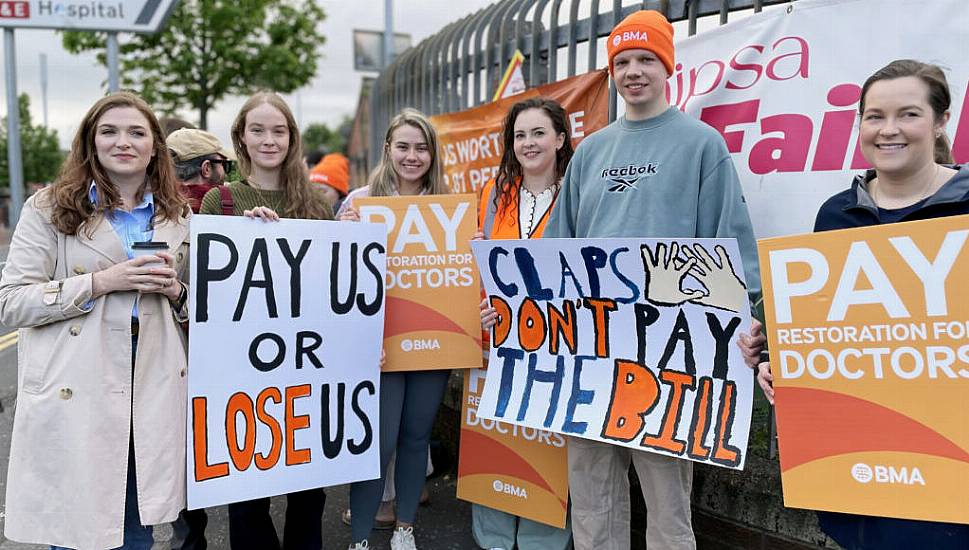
149,248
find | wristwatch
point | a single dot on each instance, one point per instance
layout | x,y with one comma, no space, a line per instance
179,302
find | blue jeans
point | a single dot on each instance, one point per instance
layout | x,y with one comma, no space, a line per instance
496,529
136,535
408,407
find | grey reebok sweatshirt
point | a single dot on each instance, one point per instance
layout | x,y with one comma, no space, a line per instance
664,177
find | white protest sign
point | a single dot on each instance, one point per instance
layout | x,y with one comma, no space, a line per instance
626,341
783,87
285,337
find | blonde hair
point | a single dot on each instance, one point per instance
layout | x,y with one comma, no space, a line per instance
383,180
300,199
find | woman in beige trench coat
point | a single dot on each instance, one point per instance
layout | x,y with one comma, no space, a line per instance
82,307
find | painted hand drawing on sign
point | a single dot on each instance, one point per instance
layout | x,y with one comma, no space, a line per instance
625,341
286,330
666,271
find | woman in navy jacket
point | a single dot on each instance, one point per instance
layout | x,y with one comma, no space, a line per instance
904,108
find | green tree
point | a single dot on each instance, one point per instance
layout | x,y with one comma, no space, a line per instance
42,156
213,48
318,135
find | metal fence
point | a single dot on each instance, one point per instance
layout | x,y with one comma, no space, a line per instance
459,67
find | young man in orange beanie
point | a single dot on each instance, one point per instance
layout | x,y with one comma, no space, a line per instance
655,173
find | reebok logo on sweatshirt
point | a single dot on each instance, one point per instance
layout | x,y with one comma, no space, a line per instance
625,178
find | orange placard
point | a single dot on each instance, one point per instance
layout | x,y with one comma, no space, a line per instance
520,470
471,140
431,318
869,340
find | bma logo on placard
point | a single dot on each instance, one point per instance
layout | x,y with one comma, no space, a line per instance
863,473
509,489
15,10
419,344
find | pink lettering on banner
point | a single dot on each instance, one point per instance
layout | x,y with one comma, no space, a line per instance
782,154
782,142
960,144
722,116
786,137
778,63
836,128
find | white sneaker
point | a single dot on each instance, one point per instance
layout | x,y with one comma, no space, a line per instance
362,545
403,539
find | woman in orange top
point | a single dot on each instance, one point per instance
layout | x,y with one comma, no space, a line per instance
516,205
537,148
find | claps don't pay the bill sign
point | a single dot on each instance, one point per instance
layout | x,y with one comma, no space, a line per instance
626,341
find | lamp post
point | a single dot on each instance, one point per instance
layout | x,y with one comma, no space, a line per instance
388,33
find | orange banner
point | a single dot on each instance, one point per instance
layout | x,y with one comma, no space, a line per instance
869,340
471,140
519,470
431,316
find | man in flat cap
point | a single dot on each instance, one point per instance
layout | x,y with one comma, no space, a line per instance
201,162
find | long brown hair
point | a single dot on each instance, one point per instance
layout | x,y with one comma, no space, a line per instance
383,180
939,95
70,202
300,200
510,170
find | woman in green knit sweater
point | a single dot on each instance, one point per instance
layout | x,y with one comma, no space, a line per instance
274,178
274,182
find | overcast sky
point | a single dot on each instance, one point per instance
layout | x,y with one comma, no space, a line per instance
75,81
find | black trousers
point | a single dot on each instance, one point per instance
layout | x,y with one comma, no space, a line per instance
251,527
189,530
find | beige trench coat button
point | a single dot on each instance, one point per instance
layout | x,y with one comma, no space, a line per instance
75,330
179,256
78,270
66,393
182,373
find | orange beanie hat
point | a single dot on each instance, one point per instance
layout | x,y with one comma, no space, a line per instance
643,30
333,170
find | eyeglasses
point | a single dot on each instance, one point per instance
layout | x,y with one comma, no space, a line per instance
226,163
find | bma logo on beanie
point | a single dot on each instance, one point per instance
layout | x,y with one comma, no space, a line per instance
630,35
644,30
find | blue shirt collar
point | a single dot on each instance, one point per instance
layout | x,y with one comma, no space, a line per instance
148,201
